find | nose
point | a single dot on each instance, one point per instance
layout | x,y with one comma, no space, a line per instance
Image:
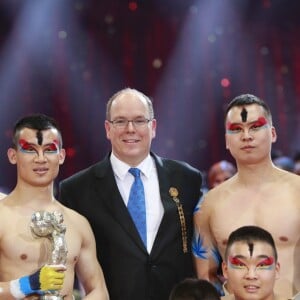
246,135
251,273
130,126
40,157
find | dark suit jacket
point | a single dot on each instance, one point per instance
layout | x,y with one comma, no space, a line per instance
130,272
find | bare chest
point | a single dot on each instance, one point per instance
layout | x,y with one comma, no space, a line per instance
19,245
277,213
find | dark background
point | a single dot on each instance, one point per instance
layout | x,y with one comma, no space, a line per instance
66,58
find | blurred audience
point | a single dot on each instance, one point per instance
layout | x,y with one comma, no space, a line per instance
219,172
284,163
297,163
297,168
288,163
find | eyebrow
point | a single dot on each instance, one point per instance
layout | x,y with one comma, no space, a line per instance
264,256
51,145
23,143
261,256
239,256
261,120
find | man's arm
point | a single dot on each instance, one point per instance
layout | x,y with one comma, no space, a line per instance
45,279
206,255
88,269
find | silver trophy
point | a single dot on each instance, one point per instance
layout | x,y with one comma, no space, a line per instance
50,225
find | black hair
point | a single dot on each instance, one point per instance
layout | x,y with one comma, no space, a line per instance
250,234
194,289
248,99
37,122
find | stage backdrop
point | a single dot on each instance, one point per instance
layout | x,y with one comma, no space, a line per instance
66,58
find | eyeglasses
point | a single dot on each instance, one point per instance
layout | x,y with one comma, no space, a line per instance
137,123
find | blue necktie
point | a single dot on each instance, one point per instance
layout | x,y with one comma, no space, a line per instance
136,204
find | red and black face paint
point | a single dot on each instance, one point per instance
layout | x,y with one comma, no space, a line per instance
53,147
232,127
251,248
39,136
267,261
261,121
244,115
235,261
24,145
27,147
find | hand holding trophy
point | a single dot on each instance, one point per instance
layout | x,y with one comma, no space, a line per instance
50,225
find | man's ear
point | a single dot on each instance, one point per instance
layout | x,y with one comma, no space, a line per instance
224,269
274,134
226,144
62,156
107,126
12,156
277,269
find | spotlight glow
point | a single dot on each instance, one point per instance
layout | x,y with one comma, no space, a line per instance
132,5
225,82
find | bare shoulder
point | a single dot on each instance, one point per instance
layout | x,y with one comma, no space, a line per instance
1,205
291,179
289,184
6,207
212,200
2,216
221,192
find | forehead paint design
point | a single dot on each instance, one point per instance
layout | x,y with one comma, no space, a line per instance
251,247
39,136
244,114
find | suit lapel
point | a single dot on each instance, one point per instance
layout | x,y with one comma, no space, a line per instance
163,234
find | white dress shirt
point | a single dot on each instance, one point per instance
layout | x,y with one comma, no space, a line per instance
154,207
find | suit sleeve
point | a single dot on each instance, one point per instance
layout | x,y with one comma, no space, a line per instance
63,195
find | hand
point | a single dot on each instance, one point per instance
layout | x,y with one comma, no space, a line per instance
47,278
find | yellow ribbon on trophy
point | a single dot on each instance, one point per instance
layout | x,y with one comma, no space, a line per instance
174,194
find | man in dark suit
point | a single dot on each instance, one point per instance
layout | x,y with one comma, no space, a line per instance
136,267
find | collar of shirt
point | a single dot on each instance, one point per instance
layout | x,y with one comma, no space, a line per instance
121,169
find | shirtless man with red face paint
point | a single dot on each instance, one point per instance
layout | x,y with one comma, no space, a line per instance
251,266
259,194
25,272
